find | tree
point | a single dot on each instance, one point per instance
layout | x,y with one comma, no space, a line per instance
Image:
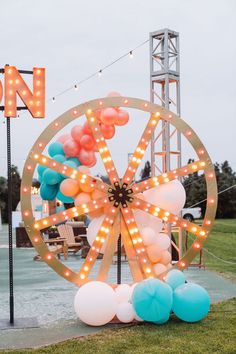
146,171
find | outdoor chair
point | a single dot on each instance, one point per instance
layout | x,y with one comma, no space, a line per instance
66,232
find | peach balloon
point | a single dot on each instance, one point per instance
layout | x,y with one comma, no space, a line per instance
87,158
87,142
166,257
159,268
71,148
77,132
108,131
62,139
86,187
96,194
154,253
69,187
108,116
84,169
122,117
82,198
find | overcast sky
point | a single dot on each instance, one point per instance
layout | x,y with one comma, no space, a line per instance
73,38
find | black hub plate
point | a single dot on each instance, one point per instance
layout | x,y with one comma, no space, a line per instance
120,195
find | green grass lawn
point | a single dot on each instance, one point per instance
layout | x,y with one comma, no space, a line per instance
215,334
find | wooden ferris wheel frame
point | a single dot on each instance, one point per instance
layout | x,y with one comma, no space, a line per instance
119,218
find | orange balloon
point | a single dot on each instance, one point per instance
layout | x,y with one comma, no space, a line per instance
154,253
122,117
86,187
108,131
69,187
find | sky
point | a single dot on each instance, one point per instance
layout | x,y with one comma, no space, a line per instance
73,39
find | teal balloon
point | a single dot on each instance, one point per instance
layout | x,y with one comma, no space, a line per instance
152,300
175,278
59,158
75,160
51,177
55,148
70,163
163,320
48,192
191,302
63,198
41,169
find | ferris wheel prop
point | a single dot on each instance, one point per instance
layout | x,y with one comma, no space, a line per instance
120,198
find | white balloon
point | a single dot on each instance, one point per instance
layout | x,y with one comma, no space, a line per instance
92,231
131,291
159,268
163,241
125,312
148,235
95,303
123,293
143,219
170,196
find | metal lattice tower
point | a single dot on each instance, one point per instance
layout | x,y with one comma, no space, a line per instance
165,90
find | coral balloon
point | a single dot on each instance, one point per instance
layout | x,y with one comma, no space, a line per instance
113,94
77,132
87,142
87,158
62,139
154,253
82,198
86,128
108,131
71,148
69,187
122,117
108,116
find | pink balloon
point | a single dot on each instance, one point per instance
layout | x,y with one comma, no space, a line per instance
108,116
166,257
87,142
113,94
62,139
69,187
86,128
108,131
71,148
122,117
77,132
87,158
82,198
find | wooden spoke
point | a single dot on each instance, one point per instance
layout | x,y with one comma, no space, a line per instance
169,176
169,217
109,251
137,242
101,237
62,216
70,172
141,148
102,147
134,265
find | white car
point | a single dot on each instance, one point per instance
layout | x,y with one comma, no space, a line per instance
191,213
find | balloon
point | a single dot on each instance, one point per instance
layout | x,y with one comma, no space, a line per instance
125,312
59,158
108,131
113,94
41,169
87,142
166,257
77,132
69,187
175,278
122,117
191,302
86,187
136,317
95,214
123,293
163,319
159,269
48,192
71,148
95,303
84,169
152,300
70,164
108,116
87,158
55,148
148,236
170,196
63,198
92,231
154,252
143,219
86,128
96,194
62,139
163,240
75,160
82,198
51,177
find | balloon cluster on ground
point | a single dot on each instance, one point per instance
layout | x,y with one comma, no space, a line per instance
152,300
78,150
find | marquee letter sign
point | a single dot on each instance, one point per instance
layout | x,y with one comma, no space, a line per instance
15,85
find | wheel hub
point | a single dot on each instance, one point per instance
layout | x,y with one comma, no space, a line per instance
120,195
